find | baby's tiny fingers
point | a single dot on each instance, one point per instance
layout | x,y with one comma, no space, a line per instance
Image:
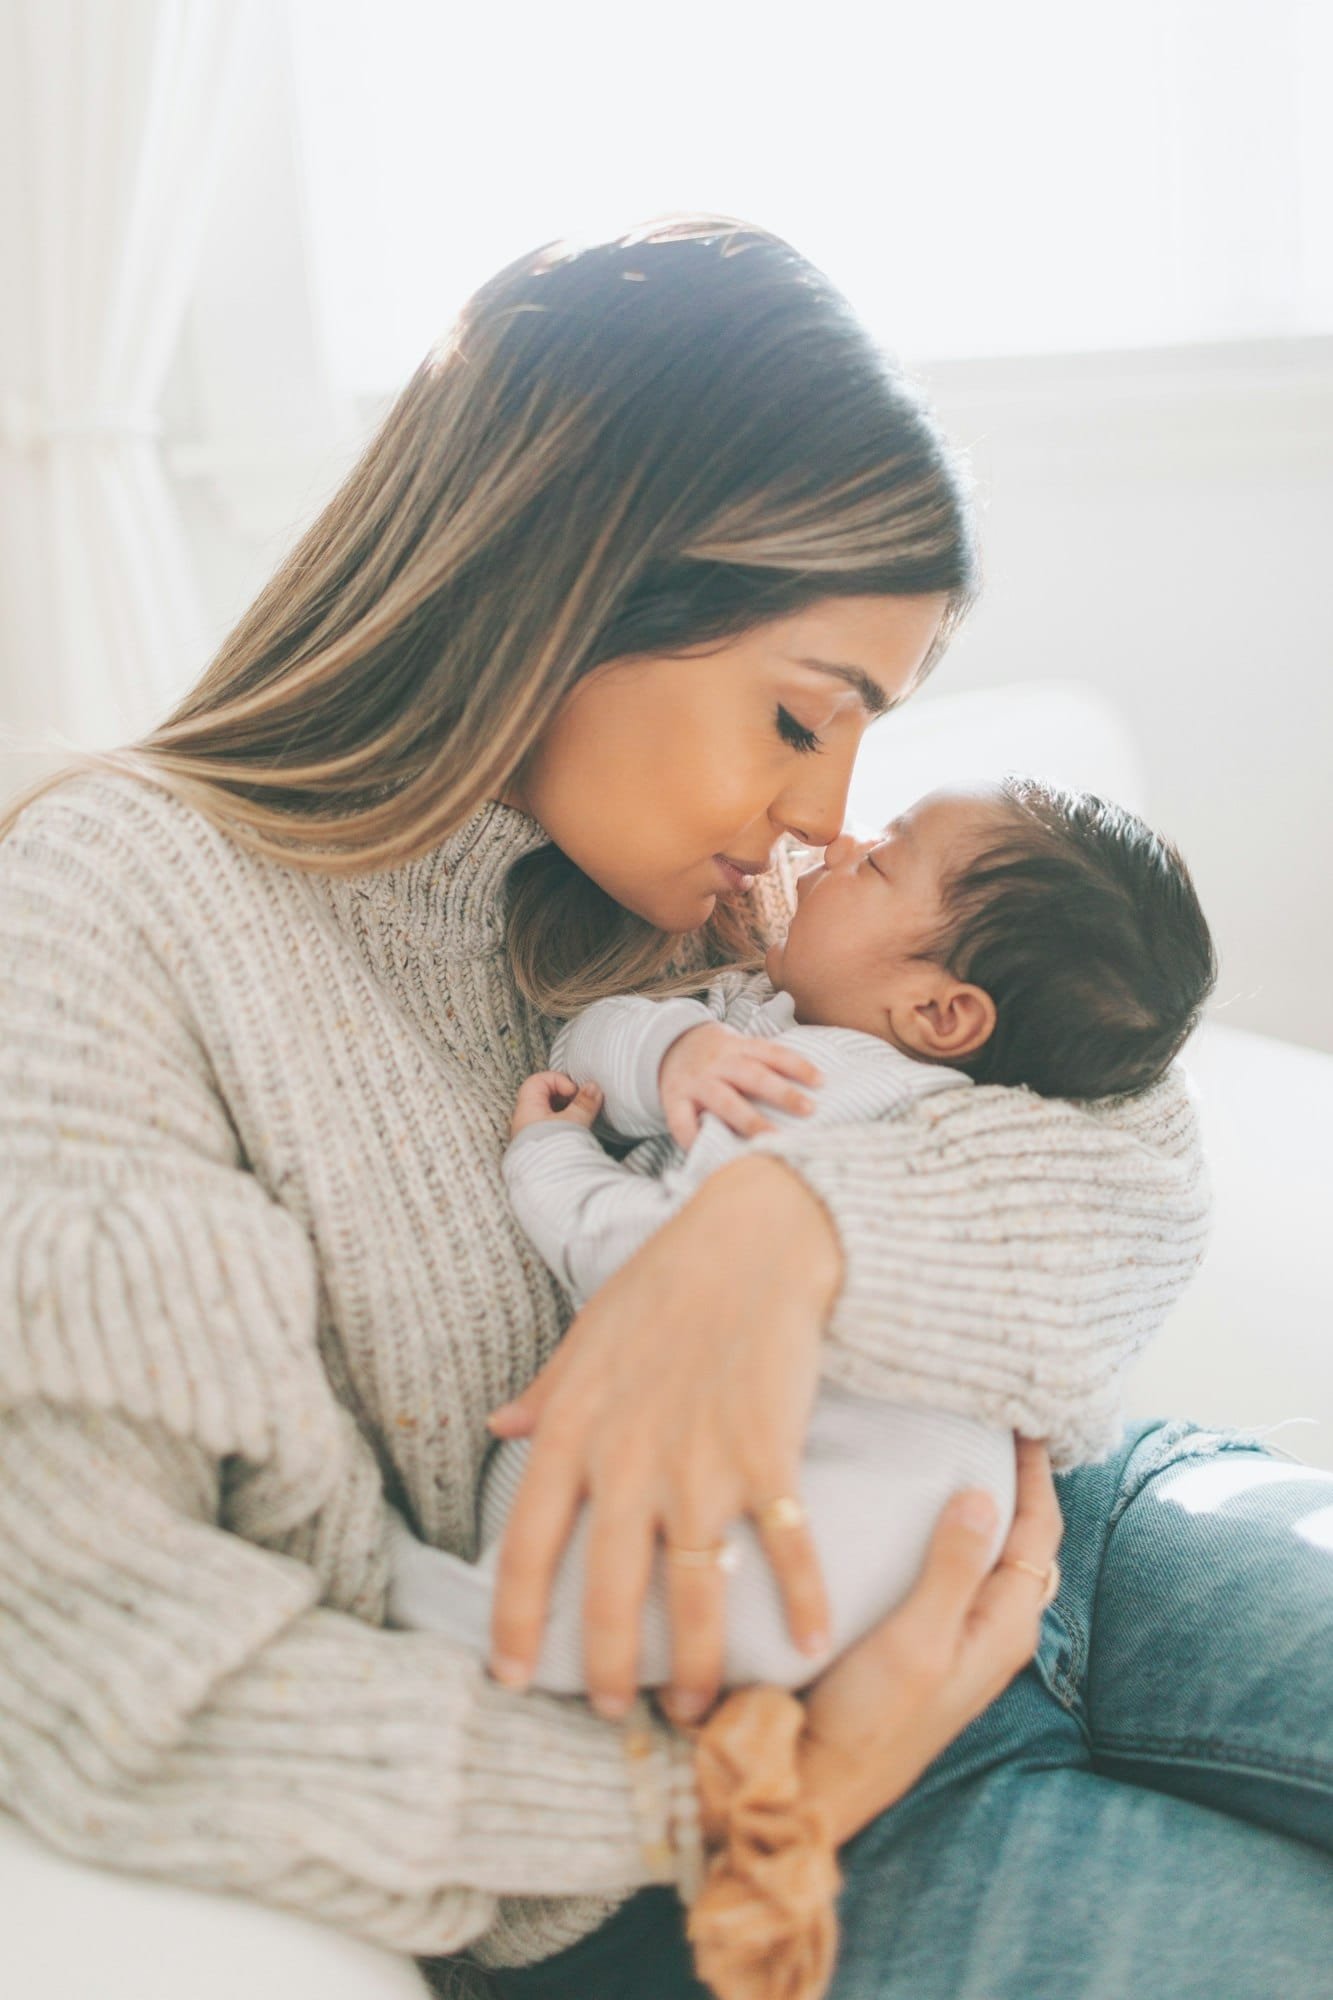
754,1076
583,1106
683,1126
780,1057
731,1107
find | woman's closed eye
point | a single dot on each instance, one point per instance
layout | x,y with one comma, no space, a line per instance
794,732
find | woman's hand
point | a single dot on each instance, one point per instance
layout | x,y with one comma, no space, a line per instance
712,1068
887,1706
551,1096
677,1401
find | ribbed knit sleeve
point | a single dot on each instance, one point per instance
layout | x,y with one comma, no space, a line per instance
620,1043
1005,1255
194,1680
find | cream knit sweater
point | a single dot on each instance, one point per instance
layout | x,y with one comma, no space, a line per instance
257,1268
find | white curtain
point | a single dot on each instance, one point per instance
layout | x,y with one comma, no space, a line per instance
112,114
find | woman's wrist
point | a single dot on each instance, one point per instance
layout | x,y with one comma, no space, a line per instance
763,1192
837,1788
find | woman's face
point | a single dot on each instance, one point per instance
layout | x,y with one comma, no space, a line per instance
654,768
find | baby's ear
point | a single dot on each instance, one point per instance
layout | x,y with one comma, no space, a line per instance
957,1021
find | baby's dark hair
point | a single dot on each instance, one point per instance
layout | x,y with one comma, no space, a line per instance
1084,927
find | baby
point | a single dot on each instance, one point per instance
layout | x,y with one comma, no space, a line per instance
1012,933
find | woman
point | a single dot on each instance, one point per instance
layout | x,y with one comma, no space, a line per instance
272,977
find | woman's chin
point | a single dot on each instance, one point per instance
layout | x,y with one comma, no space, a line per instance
675,914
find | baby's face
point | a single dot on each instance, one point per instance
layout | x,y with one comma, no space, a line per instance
864,913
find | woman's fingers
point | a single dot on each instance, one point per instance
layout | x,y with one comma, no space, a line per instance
696,1605
1010,1605
538,1527
930,1621
618,1570
1035,1532
791,1550
961,1582
1005,1619
1038,1523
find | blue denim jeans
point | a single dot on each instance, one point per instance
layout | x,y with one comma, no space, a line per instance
1147,1809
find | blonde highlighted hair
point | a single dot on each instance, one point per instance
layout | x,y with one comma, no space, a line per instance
629,447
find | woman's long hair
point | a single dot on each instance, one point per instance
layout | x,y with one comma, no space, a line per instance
636,446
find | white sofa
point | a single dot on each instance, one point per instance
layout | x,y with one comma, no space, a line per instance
1249,1346
1251,1342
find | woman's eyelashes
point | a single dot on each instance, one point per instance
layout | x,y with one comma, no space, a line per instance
795,733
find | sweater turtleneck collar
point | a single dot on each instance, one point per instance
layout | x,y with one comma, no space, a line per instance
452,899
464,877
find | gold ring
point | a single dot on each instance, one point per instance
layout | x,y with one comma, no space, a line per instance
720,1556
784,1512
1050,1576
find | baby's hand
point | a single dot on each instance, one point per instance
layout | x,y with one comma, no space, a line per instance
712,1068
550,1096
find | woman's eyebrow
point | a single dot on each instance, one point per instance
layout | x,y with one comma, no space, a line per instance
873,698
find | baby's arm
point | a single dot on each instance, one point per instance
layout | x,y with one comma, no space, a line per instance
584,1211
619,1044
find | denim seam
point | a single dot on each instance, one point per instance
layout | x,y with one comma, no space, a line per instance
1173,1450
1067,1671
1205,1750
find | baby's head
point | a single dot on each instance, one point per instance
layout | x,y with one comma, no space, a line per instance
1016,931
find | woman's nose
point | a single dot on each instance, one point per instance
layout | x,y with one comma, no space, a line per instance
815,817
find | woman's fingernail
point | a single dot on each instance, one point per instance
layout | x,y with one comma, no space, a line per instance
685,1707
975,1511
513,1673
815,1643
612,1706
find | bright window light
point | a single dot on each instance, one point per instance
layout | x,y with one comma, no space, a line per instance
978,179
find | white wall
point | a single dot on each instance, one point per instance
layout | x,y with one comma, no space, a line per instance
1158,525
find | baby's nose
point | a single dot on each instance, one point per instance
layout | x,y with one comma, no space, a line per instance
843,849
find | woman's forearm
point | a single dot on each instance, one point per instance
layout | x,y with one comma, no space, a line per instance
763,1205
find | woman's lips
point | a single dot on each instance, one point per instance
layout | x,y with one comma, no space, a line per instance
732,877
